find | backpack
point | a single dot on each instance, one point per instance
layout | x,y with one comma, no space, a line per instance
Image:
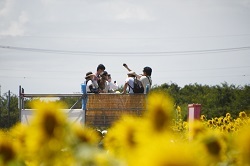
138,87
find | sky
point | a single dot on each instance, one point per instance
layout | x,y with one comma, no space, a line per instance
47,46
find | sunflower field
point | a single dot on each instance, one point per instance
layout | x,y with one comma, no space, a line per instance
159,137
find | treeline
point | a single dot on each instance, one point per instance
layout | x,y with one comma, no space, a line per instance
216,100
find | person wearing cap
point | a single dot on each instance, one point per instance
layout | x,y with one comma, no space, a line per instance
145,78
129,83
90,87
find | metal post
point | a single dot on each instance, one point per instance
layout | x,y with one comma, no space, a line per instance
20,97
22,103
84,102
19,103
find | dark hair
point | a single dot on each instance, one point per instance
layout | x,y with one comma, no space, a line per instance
105,73
100,66
89,73
147,70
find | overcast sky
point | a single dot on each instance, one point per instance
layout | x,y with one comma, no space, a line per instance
47,46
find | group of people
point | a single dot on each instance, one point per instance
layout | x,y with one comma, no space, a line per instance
101,81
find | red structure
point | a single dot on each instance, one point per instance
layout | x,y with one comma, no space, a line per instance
194,112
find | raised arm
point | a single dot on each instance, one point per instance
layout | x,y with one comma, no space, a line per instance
126,66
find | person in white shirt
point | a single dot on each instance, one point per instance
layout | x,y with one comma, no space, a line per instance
112,86
90,86
146,79
129,83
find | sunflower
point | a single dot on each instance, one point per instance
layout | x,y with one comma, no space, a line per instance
162,151
86,135
47,133
18,134
8,153
160,109
196,129
243,115
228,115
123,138
49,118
203,118
243,145
214,146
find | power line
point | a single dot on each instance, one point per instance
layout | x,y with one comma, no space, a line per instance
179,77
131,37
156,53
75,71
204,69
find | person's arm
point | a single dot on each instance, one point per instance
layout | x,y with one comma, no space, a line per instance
125,88
126,66
92,88
95,82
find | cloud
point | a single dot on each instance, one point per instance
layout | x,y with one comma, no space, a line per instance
7,5
134,13
16,27
13,17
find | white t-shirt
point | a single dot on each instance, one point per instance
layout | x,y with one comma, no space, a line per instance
89,83
130,81
146,80
113,86
107,87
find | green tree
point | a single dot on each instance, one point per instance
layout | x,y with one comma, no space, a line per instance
9,115
215,100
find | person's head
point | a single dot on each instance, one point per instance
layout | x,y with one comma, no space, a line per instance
147,71
89,75
100,69
131,74
104,75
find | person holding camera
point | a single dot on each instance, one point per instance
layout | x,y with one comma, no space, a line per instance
103,82
100,69
145,78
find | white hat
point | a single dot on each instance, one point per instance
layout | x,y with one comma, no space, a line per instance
89,74
131,73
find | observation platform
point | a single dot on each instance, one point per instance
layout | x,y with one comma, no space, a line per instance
98,110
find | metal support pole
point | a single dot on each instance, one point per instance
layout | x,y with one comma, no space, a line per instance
84,102
20,103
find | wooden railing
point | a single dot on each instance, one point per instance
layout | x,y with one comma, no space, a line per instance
103,109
